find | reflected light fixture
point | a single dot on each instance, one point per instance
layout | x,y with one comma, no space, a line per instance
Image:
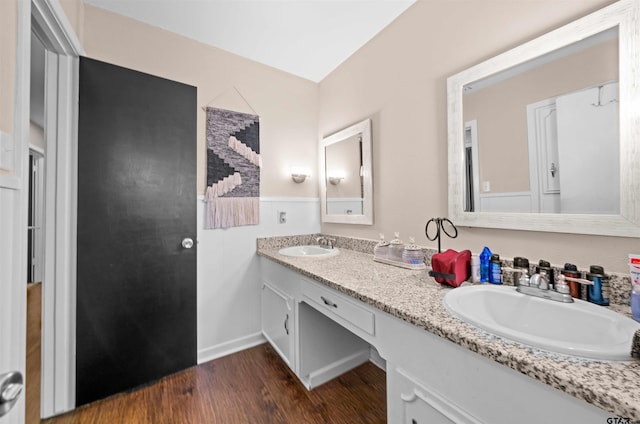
336,176
335,180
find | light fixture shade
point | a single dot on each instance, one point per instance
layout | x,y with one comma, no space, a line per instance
300,174
335,180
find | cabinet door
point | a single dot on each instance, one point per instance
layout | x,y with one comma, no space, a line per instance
277,321
417,410
417,404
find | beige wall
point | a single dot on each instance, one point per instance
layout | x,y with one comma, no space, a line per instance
8,40
399,80
287,105
74,10
501,110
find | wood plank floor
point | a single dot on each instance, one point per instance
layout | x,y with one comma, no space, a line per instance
252,386
33,371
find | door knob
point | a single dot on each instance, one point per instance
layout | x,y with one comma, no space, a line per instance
187,243
11,385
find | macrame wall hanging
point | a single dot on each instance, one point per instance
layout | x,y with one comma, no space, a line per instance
233,169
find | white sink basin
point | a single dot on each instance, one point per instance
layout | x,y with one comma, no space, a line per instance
311,251
578,329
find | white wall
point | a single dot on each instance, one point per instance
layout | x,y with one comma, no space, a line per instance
229,274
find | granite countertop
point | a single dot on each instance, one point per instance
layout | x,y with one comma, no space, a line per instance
416,298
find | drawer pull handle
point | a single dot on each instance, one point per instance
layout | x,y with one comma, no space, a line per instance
286,324
328,302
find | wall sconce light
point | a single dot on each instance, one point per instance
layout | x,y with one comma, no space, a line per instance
299,175
335,180
336,176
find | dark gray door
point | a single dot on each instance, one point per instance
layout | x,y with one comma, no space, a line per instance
136,292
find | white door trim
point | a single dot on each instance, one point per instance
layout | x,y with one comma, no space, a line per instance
472,127
52,27
14,195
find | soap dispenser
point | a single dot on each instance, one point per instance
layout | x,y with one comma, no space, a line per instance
396,248
412,254
382,248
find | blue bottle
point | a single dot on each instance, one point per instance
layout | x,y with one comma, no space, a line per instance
495,269
594,293
485,256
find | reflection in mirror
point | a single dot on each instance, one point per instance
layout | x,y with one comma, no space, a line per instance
556,119
544,136
346,183
343,162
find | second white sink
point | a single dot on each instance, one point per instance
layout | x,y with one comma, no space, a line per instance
579,329
308,251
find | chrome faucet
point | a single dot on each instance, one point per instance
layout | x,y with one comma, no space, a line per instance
326,241
539,287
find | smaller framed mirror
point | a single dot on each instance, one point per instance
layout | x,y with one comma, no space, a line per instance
346,183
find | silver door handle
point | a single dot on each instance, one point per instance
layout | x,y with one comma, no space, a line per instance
187,243
11,385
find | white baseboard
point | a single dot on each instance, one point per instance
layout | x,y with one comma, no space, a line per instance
227,348
335,369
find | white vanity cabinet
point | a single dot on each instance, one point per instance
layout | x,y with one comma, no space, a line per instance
279,289
309,325
278,321
411,402
432,380
330,326
321,333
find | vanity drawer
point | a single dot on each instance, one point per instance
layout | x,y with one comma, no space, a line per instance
334,304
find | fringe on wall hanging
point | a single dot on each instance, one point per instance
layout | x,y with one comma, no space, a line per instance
233,169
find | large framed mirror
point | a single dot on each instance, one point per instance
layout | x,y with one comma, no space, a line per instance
546,137
346,183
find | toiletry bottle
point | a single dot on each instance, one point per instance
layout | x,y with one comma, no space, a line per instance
635,301
524,279
485,256
545,266
634,270
520,266
475,268
412,254
382,248
570,270
395,248
495,269
594,292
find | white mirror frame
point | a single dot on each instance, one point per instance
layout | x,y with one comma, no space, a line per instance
364,128
625,14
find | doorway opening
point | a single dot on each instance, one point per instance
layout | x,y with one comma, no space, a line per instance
35,217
